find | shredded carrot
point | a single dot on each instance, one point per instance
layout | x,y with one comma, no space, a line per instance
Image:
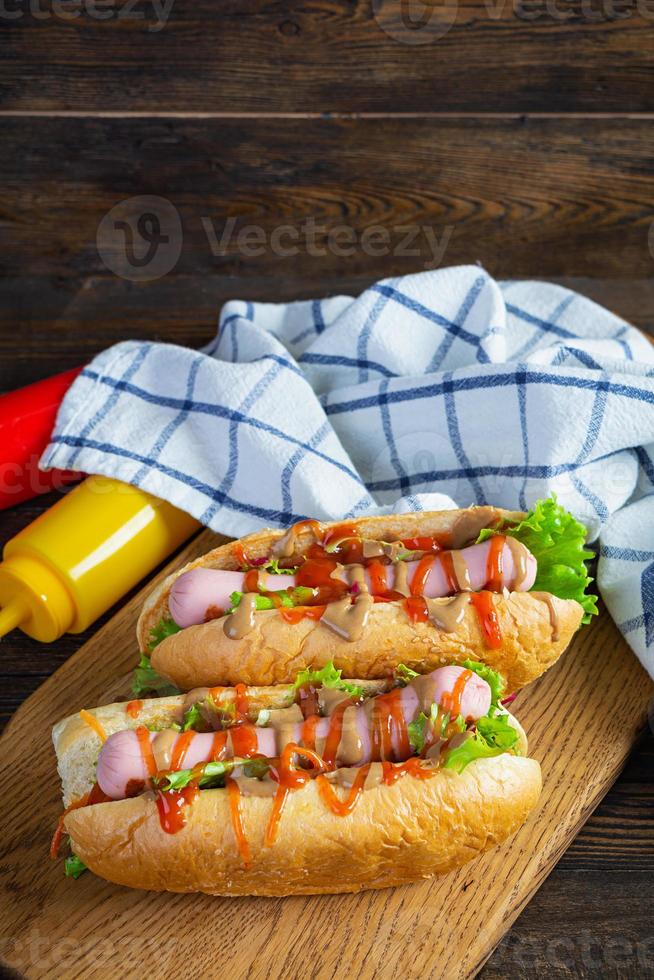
93,723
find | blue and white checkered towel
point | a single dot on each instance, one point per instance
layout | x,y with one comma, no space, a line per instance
440,387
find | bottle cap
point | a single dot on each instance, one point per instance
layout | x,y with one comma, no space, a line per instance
33,597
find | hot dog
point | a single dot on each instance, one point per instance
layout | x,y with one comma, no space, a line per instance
123,762
425,589
261,791
196,593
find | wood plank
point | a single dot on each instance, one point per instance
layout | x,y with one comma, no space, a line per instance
583,924
330,55
531,198
54,927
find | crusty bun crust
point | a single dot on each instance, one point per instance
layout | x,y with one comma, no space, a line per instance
396,835
392,527
274,651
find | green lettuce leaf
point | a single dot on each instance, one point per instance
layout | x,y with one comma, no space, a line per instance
192,718
404,674
146,680
493,736
212,774
272,567
473,748
165,627
556,540
494,680
288,598
497,731
74,866
418,729
425,726
327,677
207,715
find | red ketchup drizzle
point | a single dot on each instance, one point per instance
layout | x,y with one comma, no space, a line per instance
377,573
451,700
310,525
172,807
421,574
298,613
241,702
309,731
334,732
416,608
238,551
447,564
316,573
495,563
412,767
234,795
251,580
281,795
343,807
182,745
95,795
389,727
289,777
133,708
488,621
143,736
218,746
421,544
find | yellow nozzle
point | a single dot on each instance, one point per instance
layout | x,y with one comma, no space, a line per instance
12,616
33,597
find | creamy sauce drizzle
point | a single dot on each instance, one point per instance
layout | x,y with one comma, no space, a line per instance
239,623
446,614
551,608
162,748
468,525
347,618
285,546
519,553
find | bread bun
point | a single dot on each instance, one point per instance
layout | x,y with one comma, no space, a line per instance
396,835
535,627
274,651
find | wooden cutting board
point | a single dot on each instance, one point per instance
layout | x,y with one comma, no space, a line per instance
582,718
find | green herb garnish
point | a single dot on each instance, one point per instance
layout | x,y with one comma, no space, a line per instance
404,674
327,677
146,680
74,866
165,627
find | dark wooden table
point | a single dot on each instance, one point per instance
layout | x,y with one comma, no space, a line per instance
516,133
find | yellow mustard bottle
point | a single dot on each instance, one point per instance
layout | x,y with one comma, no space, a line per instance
61,572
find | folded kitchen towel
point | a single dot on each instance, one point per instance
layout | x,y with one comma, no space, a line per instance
440,389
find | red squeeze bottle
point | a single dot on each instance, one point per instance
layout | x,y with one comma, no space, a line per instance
27,418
